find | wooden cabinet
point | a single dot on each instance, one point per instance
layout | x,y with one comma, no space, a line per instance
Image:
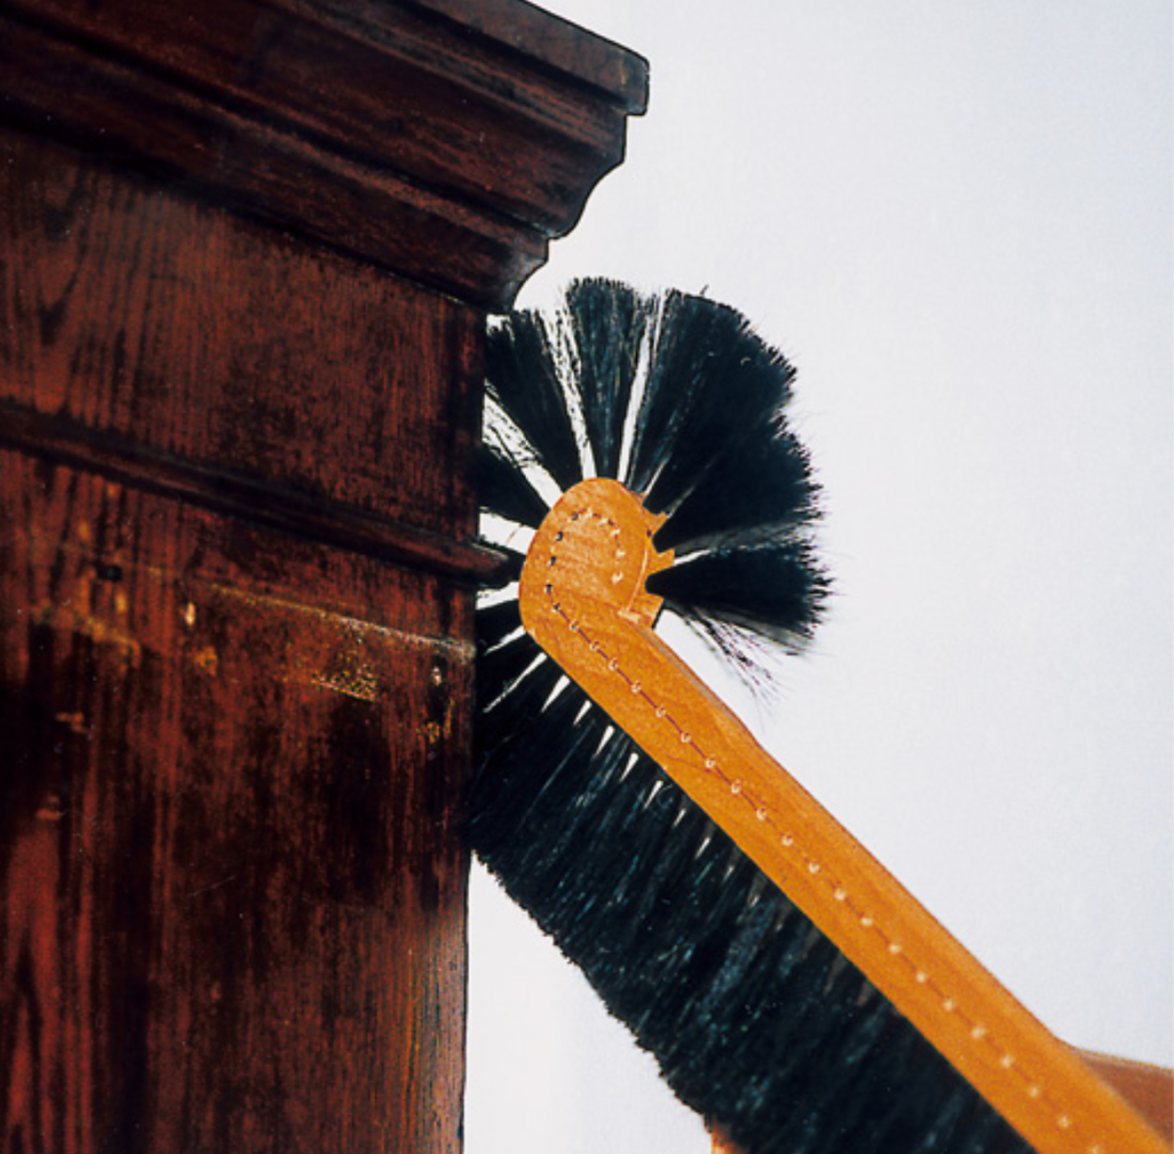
246,255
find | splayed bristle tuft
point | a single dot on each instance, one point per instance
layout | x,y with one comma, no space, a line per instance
755,1018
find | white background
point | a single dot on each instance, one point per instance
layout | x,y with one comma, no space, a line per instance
955,218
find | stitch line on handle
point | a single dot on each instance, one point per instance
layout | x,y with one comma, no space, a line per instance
977,1031
938,1007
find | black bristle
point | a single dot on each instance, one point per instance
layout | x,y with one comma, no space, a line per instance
713,388
496,622
504,487
502,667
754,1017
521,376
760,489
771,588
607,324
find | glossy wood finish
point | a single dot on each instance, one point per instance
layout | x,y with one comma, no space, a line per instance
233,912
234,888
237,547
44,435
171,325
444,141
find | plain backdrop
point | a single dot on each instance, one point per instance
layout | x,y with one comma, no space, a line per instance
955,218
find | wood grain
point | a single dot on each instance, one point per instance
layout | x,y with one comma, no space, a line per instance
232,911
175,325
129,462
420,140
232,903
238,544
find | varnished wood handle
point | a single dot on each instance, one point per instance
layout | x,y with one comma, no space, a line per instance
583,599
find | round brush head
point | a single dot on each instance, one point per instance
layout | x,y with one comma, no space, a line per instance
677,398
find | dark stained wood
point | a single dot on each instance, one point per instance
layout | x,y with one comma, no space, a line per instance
413,138
55,438
244,928
187,330
590,59
246,254
232,916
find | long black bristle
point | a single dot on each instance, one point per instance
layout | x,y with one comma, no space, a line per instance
754,1017
685,423
505,489
769,481
521,375
607,331
772,588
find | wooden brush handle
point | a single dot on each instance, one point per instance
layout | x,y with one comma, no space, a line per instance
583,599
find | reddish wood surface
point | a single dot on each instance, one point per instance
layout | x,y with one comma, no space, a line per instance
186,330
233,888
237,547
232,912
446,142
588,58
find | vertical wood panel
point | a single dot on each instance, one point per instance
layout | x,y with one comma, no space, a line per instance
232,914
227,842
243,275
186,329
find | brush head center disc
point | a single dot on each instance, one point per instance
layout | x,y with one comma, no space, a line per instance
591,555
